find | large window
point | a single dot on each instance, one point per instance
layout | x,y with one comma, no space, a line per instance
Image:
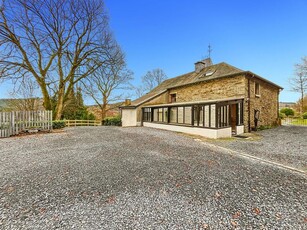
240,120
207,116
159,115
180,115
217,115
223,116
147,114
173,114
188,115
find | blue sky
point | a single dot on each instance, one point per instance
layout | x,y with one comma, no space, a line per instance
265,37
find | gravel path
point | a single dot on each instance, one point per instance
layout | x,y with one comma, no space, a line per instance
286,145
141,178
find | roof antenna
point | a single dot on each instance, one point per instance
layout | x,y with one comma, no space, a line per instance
209,50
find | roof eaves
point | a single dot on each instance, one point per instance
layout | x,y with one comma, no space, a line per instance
263,79
144,101
148,99
127,107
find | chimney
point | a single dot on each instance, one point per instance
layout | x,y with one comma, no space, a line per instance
200,65
127,102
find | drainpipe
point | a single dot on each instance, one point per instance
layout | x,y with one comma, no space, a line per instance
249,103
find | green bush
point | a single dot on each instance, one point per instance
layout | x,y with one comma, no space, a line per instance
282,115
58,124
112,121
287,111
91,117
305,115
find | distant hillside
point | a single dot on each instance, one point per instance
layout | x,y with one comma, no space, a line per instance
3,103
113,110
19,104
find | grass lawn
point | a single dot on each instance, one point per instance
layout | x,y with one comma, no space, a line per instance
299,121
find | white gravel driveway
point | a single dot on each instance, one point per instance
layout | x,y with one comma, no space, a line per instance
141,178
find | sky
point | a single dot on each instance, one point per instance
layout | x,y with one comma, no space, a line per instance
265,37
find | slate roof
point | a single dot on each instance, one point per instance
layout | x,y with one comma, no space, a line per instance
208,73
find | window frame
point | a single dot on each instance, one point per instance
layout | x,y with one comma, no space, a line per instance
257,89
172,96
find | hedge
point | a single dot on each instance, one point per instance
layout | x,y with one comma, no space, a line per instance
112,121
58,124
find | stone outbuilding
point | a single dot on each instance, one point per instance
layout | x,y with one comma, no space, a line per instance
213,101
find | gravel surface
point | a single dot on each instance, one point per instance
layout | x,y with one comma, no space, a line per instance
286,145
141,178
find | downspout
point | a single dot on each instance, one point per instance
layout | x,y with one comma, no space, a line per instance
249,104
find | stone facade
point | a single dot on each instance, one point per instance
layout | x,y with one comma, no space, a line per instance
266,102
229,87
211,90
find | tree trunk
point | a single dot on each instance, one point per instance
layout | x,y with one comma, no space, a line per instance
60,104
103,108
47,103
103,111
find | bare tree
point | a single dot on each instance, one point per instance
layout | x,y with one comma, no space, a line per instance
25,97
108,83
153,78
299,81
150,80
139,91
299,104
52,41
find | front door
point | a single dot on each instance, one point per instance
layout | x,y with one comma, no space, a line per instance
233,118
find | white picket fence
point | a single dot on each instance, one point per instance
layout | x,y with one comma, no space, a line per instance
13,123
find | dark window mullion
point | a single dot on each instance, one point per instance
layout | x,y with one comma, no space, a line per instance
162,114
192,115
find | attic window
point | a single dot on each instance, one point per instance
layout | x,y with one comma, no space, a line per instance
209,73
257,89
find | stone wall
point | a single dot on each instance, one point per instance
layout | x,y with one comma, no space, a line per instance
211,90
266,102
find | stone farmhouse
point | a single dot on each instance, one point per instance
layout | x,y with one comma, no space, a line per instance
215,101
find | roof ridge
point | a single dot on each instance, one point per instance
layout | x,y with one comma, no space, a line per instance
232,66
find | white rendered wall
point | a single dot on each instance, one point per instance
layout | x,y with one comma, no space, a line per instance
129,117
224,133
210,133
240,129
